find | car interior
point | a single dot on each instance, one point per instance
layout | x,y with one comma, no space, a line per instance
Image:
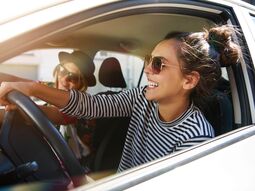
129,32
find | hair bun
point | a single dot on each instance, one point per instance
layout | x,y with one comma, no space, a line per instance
220,38
216,41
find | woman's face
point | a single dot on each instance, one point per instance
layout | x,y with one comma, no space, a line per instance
167,85
69,77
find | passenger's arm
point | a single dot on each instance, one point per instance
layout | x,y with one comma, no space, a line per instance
53,114
2,111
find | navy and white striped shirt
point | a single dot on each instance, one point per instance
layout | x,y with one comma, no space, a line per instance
148,137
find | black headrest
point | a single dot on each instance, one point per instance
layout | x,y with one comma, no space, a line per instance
110,74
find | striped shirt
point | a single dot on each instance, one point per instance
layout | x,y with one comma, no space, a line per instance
148,138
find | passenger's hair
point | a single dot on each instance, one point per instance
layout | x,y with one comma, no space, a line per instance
205,52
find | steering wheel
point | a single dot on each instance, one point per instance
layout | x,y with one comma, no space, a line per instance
49,132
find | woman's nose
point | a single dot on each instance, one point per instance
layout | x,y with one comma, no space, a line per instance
147,68
64,81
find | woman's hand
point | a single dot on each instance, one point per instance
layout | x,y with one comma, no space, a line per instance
6,87
41,91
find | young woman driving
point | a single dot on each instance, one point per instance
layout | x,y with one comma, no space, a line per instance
181,70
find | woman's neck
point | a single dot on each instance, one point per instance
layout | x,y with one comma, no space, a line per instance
171,111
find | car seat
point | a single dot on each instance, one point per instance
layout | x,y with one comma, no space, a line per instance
218,108
110,74
110,133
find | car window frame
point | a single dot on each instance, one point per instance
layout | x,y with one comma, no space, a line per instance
243,72
51,29
250,23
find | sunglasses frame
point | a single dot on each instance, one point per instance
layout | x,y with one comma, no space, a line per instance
156,62
71,77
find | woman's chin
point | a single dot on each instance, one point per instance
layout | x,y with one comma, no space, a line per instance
149,96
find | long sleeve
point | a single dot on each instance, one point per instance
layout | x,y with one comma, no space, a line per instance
192,142
85,105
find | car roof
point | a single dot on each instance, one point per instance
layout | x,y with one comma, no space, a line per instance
41,14
125,39
29,14
8,12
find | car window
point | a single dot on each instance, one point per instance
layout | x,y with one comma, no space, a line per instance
35,64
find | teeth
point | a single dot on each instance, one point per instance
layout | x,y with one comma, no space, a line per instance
152,84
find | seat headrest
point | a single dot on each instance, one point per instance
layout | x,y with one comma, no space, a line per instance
110,74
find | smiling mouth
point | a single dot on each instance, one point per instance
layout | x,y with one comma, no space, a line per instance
152,84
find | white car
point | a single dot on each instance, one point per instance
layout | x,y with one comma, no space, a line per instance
35,156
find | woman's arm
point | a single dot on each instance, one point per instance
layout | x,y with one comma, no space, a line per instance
54,96
79,104
29,88
85,105
11,78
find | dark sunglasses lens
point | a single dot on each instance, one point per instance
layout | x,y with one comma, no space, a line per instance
72,78
156,65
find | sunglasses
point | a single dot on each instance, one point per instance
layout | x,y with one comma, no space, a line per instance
70,76
156,63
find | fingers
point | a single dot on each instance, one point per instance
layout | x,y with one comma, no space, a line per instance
10,107
4,102
4,89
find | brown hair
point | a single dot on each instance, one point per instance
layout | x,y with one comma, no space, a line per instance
206,52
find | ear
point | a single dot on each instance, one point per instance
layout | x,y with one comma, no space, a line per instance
191,80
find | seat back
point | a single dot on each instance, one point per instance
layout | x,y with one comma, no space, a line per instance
110,74
218,108
109,135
